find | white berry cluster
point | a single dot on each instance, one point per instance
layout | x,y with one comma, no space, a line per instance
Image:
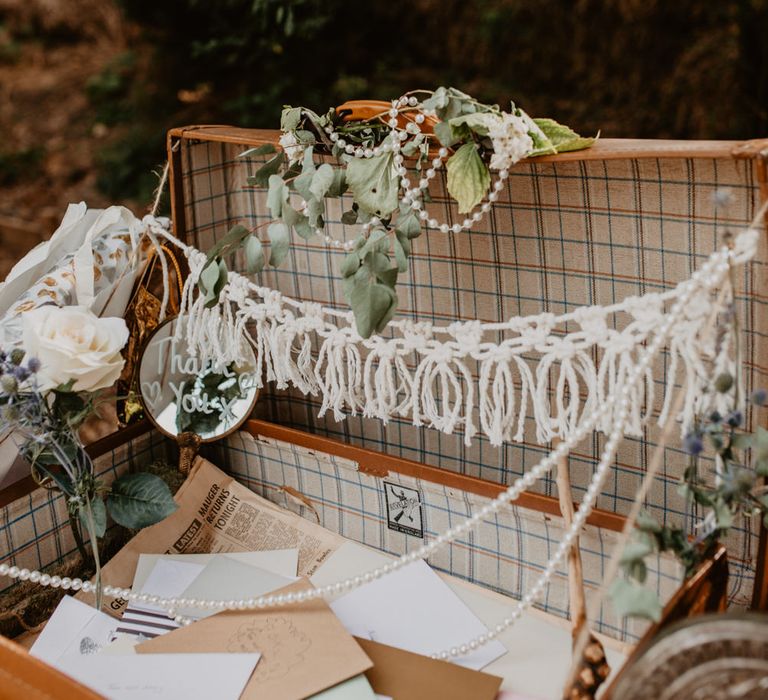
510,138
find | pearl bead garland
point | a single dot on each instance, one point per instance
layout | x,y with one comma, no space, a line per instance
708,277
412,195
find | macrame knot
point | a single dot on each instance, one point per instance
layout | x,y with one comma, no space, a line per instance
537,331
441,353
416,336
500,353
646,310
313,310
622,342
592,322
563,348
290,324
197,262
468,334
239,290
257,311
384,349
337,338
273,302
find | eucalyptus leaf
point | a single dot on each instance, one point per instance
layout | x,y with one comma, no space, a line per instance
370,294
633,600
290,216
139,500
445,134
305,138
322,181
351,264
339,185
277,195
229,241
760,451
373,305
261,177
99,511
475,122
723,515
290,118
264,150
635,550
647,523
279,238
303,228
408,224
374,184
212,280
315,212
402,248
254,255
468,177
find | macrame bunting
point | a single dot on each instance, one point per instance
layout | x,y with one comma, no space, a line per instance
453,378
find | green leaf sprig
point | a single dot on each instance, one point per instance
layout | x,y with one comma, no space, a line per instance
466,129
737,491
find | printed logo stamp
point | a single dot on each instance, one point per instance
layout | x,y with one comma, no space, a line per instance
403,509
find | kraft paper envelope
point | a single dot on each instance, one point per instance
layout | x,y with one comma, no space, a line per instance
304,648
404,675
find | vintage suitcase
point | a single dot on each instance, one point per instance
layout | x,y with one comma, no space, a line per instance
589,228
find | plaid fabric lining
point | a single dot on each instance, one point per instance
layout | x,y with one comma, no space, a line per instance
506,553
561,235
34,530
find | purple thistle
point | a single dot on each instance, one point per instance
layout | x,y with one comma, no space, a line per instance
693,444
33,365
715,417
734,419
760,397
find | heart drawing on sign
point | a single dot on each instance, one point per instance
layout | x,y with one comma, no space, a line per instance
151,391
88,646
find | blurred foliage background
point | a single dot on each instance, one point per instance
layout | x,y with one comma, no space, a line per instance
89,87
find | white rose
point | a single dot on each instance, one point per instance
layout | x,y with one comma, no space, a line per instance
72,343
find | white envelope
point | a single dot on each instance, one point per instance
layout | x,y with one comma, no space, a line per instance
283,562
414,609
74,630
228,579
165,676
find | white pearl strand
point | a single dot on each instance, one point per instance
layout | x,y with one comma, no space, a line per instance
412,195
709,276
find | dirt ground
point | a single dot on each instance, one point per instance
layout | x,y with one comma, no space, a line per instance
47,131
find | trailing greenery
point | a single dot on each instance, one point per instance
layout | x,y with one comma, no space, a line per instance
475,137
49,425
736,490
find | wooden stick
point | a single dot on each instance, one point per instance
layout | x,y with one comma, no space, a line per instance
578,603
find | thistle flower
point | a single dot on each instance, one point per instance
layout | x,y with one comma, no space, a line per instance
8,384
760,397
17,355
693,444
33,365
734,419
